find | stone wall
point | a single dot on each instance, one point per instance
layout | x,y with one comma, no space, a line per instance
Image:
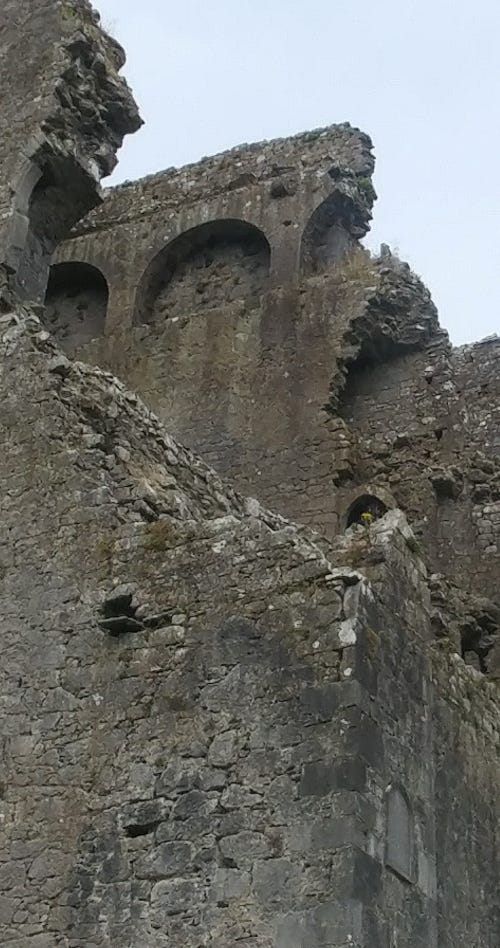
219,727
258,365
178,765
290,193
426,428
256,766
328,379
65,111
467,715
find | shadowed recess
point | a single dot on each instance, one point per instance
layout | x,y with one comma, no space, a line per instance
76,304
365,509
206,267
330,233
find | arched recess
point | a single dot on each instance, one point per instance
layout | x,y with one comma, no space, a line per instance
400,842
330,233
53,192
370,499
75,304
205,268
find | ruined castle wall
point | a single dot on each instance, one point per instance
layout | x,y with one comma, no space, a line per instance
178,766
391,662
440,727
218,728
22,111
241,353
149,775
205,315
478,377
427,429
65,111
276,187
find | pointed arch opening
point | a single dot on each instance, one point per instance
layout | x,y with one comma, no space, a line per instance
207,267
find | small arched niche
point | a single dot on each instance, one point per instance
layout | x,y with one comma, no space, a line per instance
364,510
328,235
76,303
400,834
204,268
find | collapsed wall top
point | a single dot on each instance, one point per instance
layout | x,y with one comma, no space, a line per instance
65,111
332,165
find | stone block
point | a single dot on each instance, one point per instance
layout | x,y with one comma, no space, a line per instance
168,859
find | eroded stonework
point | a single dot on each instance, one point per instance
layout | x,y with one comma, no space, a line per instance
313,380
223,726
65,111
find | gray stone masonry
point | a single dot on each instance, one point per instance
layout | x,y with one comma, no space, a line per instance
234,296
191,767
224,727
64,113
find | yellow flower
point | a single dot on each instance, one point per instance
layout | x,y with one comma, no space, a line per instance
367,518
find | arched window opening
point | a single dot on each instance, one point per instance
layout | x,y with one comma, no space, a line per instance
330,234
365,510
400,835
205,268
75,304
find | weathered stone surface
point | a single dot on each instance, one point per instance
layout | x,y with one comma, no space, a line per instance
229,775
65,111
307,372
220,728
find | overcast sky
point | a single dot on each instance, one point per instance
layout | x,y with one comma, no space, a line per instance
422,77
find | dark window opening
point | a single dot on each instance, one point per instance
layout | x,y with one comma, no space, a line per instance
141,829
119,616
365,510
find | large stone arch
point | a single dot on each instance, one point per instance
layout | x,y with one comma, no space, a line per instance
76,303
205,267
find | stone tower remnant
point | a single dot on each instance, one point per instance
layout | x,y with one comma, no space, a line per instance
65,111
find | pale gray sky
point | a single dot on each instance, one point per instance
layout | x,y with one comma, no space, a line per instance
422,77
